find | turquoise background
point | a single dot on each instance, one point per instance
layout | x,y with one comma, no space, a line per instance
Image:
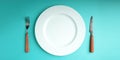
106,15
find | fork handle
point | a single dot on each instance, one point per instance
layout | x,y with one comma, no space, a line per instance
91,43
26,43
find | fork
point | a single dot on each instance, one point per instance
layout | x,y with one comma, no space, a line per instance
26,35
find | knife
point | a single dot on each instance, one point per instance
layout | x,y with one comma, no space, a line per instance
91,35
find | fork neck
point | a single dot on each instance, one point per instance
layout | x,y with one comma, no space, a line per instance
26,30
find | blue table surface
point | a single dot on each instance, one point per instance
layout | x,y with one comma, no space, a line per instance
106,15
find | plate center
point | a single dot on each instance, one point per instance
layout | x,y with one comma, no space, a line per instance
59,30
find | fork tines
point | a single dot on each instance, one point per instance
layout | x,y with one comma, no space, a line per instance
27,19
27,22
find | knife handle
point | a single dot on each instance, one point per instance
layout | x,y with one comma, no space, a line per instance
91,43
26,43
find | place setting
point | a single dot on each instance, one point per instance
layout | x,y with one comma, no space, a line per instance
60,30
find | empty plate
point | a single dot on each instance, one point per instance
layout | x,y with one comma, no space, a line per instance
60,30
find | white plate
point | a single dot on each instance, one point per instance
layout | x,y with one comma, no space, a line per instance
60,30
